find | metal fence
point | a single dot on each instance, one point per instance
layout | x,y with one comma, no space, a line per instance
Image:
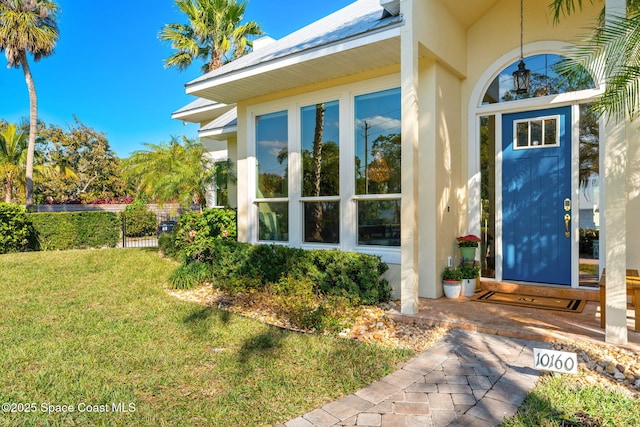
147,236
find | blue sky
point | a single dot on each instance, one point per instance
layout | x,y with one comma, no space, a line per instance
108,67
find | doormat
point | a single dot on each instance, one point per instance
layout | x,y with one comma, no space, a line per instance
532,301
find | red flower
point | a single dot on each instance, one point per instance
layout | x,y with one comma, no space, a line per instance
470,240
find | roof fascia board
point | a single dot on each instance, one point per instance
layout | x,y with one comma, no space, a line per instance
213,133
204,109
299,57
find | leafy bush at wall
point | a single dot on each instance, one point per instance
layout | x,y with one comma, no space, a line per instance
196,231
15,228
75,230
241,266
196,228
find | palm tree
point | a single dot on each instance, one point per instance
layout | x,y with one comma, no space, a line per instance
171,171
13,155
213,33
611,52
28,26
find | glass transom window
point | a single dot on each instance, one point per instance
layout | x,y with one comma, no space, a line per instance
546,79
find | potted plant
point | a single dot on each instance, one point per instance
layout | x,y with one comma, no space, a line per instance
469,273
451,282
468,245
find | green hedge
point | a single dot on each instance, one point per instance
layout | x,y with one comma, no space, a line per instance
75,230
15,228
139,222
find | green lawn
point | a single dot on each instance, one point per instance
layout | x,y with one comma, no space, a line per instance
95,330
560,401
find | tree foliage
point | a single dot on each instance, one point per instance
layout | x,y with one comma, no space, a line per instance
611,52
13,158
213,34
171,172
13,155
97,171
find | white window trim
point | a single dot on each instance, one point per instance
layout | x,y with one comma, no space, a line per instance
345,95
529,146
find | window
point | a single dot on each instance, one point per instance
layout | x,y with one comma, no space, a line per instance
327,170
222,174
539,132
377,167
320,137
272,176
546,79
488,195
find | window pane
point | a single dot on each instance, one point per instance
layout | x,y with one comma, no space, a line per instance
536,133
320,150
589,173
546,79
550,132
273,221
523,134
379,222
271,155
488,193
378,142
322,222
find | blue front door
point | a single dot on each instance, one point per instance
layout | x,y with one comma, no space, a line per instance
536,196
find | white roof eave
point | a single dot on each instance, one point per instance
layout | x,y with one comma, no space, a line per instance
201,113
216,87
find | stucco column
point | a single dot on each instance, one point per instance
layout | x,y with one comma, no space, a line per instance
410,138
615,216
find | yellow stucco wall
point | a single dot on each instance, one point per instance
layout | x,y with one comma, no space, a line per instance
452,65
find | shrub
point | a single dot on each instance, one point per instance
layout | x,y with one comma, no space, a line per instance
350,274
75,230
188,276
242,266
15,229
300,301
167,244
197,230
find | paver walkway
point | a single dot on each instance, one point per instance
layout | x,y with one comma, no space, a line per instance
467,379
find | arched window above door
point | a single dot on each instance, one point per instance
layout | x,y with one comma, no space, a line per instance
545,80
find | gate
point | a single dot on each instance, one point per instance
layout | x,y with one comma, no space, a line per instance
141,229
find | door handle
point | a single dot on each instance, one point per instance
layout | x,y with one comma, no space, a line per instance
567,219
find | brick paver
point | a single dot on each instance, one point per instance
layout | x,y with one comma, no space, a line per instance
467,379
